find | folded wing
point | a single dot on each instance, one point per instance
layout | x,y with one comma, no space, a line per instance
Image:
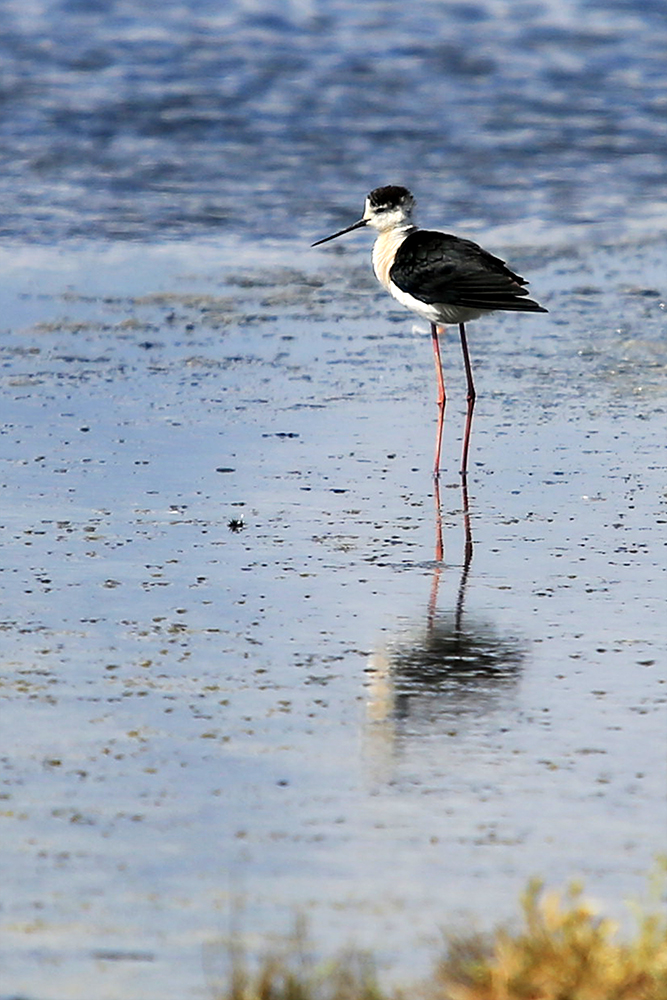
439,268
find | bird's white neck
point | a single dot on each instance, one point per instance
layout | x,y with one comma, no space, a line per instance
384,250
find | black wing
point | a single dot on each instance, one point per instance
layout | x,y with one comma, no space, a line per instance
439,268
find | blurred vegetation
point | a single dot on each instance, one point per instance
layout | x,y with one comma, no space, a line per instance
561,950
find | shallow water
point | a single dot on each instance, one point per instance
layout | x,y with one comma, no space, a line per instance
236,678
310,712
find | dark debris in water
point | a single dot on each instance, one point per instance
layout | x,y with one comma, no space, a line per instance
113,955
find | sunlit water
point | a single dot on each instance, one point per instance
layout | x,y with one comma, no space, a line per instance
131,119
311,713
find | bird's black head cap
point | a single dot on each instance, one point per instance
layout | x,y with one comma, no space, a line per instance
390,196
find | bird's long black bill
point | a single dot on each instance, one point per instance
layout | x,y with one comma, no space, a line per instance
356,225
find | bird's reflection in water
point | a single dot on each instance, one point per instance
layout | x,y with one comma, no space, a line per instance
440,550
449,666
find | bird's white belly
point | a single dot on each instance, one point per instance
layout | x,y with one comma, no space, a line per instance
435,312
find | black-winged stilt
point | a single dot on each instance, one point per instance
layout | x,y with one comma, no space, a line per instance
443,278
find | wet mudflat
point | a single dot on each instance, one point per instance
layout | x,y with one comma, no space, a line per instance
233,668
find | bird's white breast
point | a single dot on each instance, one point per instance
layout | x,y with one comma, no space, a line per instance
384,252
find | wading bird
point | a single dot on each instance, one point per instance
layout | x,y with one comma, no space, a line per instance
443,278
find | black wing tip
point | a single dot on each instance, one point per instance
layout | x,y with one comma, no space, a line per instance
502,305
529,305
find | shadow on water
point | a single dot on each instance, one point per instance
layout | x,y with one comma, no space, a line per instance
449,665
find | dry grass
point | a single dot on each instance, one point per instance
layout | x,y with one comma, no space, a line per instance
562,951
289,972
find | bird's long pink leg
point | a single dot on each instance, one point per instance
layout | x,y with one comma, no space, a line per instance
439,544
471,400
467,528
442,397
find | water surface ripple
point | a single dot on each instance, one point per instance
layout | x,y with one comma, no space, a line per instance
126,119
